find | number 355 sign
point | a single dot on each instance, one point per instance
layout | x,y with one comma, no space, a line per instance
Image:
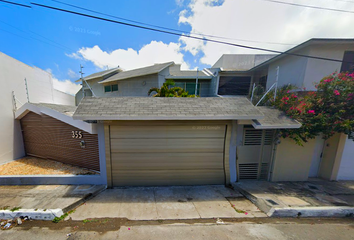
76,134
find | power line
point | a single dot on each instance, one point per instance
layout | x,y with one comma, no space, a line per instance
347,1
307,6
18,4
62,46
165,28
186,36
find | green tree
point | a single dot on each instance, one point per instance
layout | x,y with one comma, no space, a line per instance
328,110
168,90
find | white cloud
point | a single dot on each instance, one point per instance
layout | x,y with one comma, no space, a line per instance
72,74
73,55
179,2
154,52
261,21
66,85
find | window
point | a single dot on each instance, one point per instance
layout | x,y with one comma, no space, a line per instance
108,88
234,85
188,87
114,87
348,62
111,88
263,81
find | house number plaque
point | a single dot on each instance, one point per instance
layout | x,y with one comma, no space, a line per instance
76,134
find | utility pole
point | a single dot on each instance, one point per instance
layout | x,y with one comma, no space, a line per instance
196,85
82,81
26,90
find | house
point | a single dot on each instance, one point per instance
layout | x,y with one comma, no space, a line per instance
331,159
182,141
233,75
20,83
137,82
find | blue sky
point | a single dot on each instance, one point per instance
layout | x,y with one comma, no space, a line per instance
59,42
64,33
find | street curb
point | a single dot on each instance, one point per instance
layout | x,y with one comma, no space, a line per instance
259,202
42,214
326,211
48,214
83,200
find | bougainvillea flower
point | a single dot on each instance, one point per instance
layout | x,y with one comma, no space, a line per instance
311,111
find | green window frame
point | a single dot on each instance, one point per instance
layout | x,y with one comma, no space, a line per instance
188,87
115,88
111,88
108,88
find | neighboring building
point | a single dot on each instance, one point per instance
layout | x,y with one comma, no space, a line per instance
236,74
137,82
13,94
233,75
328,159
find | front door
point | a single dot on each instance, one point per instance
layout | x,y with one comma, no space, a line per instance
254,154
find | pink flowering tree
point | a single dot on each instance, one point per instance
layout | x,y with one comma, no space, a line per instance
328,110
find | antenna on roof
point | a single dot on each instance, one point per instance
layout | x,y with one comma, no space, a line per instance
82,81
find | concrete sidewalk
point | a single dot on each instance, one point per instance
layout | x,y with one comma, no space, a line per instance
44,202
158,203
313,198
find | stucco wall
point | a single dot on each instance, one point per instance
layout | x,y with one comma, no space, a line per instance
40,88
63,98
305,72
292,70
317,69
292,162
346,168
133,87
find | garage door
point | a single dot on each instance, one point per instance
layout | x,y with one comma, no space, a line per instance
167,155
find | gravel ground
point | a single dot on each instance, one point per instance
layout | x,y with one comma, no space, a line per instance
39,166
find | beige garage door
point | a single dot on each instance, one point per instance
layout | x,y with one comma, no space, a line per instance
167,155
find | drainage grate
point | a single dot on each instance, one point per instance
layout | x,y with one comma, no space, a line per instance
313,187
272,202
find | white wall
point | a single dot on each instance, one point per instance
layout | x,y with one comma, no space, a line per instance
292,162
40,88
317,69
63,98
346,168
292,70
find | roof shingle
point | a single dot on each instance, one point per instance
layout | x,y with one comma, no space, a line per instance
274,119
138,72
140,108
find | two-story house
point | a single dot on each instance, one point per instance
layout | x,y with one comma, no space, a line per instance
331,159
137,82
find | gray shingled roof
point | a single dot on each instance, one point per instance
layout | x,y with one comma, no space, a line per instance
154,108
65,109
274,119
188,73
101,74
138,72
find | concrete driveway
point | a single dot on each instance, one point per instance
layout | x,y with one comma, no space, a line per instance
153,203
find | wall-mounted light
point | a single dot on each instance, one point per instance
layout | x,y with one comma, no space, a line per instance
82,144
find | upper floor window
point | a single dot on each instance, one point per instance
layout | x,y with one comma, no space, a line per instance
237,85
348,62
188,87
111,88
